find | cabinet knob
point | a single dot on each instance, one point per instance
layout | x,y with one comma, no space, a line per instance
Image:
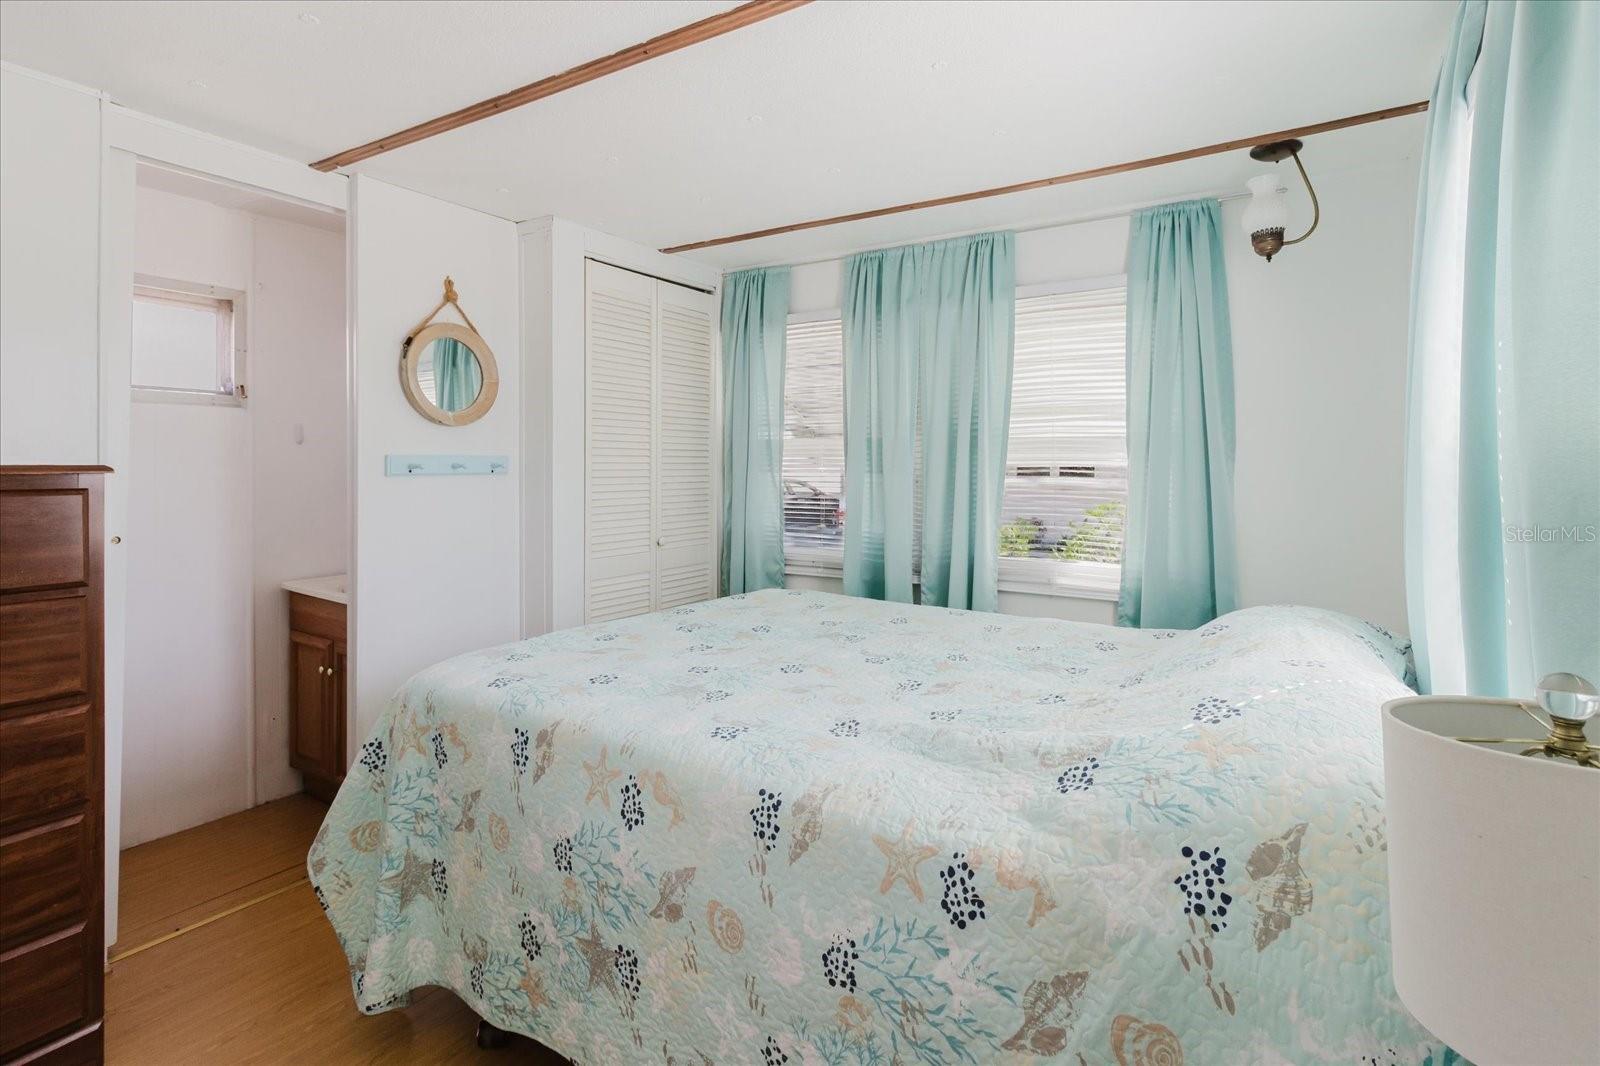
116,540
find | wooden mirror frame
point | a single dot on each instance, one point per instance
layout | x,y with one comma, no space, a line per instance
418,342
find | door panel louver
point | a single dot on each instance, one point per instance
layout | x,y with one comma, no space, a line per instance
651,500
618,462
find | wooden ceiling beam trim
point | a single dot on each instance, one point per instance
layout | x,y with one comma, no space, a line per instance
1065,179
683,37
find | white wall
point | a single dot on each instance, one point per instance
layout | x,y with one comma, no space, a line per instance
186,726
49,271
1319,354
436,568
1319,347
298,389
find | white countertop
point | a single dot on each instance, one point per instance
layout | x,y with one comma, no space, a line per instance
331,588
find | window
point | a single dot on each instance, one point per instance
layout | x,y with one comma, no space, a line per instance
187,342
813,444
1066,483
1066,456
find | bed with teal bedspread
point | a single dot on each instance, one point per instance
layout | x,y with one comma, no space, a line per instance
795,828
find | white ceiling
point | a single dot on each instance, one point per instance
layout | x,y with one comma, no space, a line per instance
839,106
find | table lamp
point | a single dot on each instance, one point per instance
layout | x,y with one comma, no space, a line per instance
1494,872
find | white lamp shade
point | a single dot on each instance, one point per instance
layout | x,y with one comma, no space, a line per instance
1494,884
1268,208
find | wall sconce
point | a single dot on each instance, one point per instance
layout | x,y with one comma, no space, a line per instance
1267,214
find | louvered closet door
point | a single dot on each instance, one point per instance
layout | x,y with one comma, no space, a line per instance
686,505
619,478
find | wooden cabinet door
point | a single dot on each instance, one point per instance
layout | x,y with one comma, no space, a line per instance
312,740
338,690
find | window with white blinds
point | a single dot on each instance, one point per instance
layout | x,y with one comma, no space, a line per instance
813,444
1066,459
1066,456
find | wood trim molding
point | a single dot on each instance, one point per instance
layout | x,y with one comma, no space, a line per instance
1065,179
738,18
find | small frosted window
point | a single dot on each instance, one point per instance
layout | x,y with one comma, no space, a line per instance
183,343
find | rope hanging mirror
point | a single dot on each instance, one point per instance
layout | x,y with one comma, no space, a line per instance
447,370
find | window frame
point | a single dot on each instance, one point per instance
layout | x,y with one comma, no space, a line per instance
1076,579
234,351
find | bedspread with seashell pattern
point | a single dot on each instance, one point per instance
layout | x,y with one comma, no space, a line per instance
796,828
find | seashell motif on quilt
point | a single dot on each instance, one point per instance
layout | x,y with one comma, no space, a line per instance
366,836
1281,890
1047,1014
726,928
1137,1043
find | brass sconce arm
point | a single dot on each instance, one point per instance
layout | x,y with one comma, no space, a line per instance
1316,208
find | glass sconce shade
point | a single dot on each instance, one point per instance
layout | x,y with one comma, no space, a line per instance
1268,208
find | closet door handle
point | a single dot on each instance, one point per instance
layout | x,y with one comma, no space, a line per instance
661,542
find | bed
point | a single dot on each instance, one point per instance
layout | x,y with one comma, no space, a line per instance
796,828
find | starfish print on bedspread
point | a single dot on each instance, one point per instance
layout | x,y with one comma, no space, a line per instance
600,778
600,959
904,858
415,879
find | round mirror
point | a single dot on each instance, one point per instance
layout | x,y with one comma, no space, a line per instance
449,374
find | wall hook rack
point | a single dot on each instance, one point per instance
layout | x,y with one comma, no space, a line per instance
444,465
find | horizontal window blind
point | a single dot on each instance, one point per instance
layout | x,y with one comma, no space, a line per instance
1066,456
813,443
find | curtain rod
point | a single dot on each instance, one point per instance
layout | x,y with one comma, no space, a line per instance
1055,223
1064,179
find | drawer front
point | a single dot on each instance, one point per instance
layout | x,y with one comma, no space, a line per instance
47,872
44,763
44,539
44,988
44,649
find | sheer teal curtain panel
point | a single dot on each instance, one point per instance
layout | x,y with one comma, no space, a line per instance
928,337
1178,568
755,312
881,321
1502,483
966,411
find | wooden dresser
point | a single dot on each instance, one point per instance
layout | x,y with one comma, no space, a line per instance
51,765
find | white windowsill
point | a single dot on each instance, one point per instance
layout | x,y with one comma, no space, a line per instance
151,394
1069,581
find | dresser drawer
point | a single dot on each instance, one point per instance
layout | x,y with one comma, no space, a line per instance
44,872
44,763
45,987
44,539
45,649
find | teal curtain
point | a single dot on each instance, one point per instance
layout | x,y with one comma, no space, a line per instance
1178,566
966,411
927,349
755,313
456,376
880,325
1502,484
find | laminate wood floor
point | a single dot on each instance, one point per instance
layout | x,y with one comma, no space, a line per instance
268,983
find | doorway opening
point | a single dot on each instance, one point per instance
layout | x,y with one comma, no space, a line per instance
237,540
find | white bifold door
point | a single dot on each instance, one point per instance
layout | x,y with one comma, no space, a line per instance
650,505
